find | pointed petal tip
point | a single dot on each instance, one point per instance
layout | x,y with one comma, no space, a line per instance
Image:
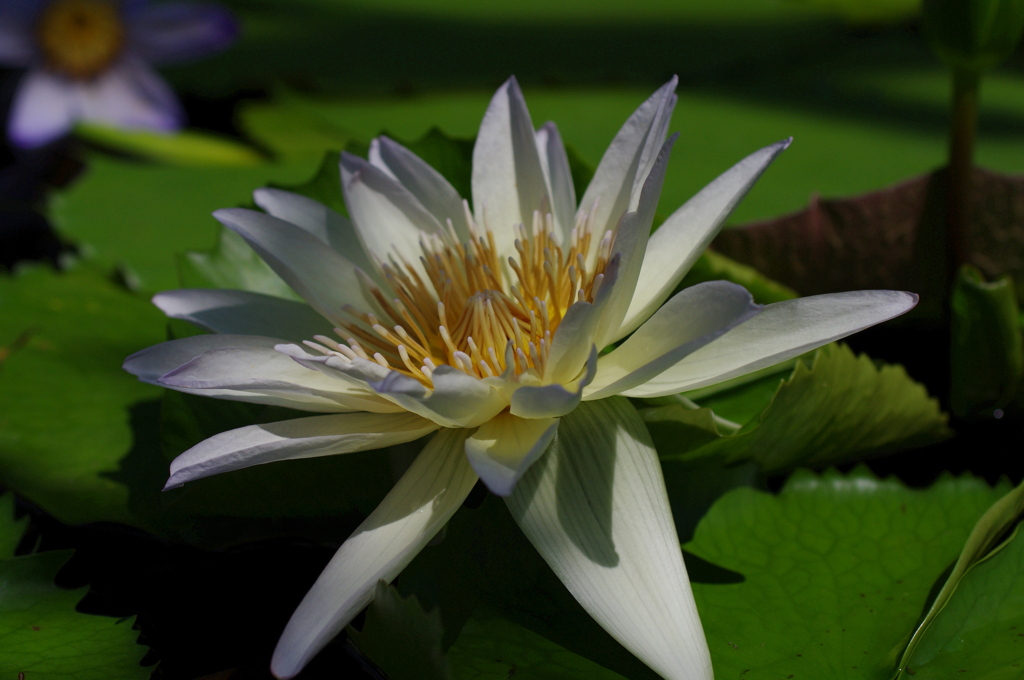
172,483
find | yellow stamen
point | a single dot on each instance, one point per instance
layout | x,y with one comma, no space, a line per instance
466,310
80,38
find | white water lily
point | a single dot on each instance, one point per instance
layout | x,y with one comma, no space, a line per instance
485,327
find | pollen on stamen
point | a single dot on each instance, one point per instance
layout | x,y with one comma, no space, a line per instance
460,304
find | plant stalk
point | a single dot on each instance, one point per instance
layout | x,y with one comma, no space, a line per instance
961,157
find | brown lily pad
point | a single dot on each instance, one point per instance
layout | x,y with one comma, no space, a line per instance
892,238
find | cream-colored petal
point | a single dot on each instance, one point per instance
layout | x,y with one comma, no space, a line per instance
552,401
388,218
630,244
691,319
262,372
596,509
430,188
326,280
241,312
576,335
555,164
504,448
294,439
422,501
781,331
680,240
508,182
456,400
627,162
322,222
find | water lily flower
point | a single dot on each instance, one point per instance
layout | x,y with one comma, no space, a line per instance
89,60
485,327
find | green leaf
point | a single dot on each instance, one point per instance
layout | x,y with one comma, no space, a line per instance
834,407
66,407
837,570
712,266
41,634
400,638
974,620
188,147
138,215
987,344
494,648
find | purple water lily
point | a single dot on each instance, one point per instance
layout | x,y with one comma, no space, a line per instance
90,60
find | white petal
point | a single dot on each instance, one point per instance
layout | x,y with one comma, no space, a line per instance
504,448
237,311
430,188
265,371
294,439
154,361
426,496
508,182
44,108
628,160
575,336
691,319
457,399
319,220
130,95
630,244
388,218
680,240
552,401
781,331
555,164
596,509
359,372
326,280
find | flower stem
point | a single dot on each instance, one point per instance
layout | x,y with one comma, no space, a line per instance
961,152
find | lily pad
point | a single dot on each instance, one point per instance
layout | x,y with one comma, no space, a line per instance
833,407
65,404
976,623
837,570
188,147
494,648
891,238
41,634
401,638
139,215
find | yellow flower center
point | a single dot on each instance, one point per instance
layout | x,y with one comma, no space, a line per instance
80,38
471,312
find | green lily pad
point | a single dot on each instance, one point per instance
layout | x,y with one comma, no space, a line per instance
138,216
976,623
834,407
66,407
188,147
401,638
41,634
837,571
494,648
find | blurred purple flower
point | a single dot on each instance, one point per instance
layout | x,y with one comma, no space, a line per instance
90,60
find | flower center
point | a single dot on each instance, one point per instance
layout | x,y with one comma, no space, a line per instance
80,38
465,309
